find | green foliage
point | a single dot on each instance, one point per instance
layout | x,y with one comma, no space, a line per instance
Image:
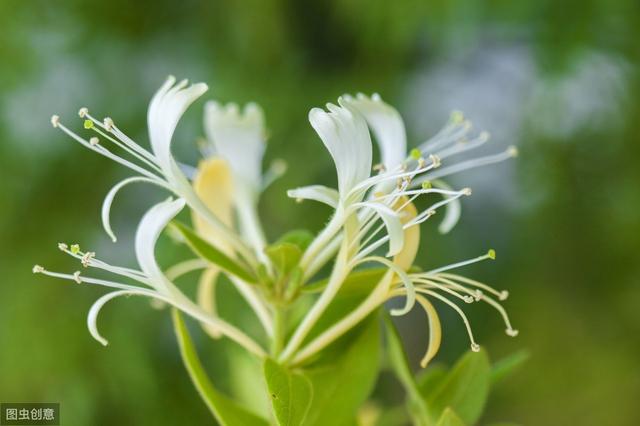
344,377
465,388
290,393
450,418
508,365
208,252
226,411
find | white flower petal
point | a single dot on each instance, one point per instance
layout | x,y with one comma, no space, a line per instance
393,224
387,126
151,225
92,317
344,133
239,138
319,193
165,110
108,201
453,209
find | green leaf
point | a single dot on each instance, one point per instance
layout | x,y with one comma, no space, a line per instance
284,256
343,379
354,281
208,252
450,418
290,393
400,365
430,378
464,389
226,411
507,365
299,237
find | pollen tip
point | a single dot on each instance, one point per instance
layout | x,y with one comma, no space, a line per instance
426,184
63,246
478,295
37,269
430,212
475,347
55,120
491,254
415,154
299,200
76,277
435,160
75,248
93,141
467,191
469,299
511,332
504,294
457,116
82,112
512,151
108,123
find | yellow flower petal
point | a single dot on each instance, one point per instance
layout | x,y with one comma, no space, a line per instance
407,255
214,185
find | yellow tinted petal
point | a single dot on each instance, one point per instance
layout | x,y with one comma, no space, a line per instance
407,255
214,185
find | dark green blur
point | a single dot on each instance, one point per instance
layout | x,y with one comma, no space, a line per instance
558,79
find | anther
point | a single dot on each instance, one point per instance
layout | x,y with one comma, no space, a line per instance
512,151
86,258
37,269
421,163
435,160
466,191
504,294
475,347
76,277
94,141
55,120
108,123
478,295
63,246
511,332
457,116
83,112
426,184
491,254
484,136
75,248
299,200
468,299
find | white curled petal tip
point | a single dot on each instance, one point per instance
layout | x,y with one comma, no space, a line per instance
318,193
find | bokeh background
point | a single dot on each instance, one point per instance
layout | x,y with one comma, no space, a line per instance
560,80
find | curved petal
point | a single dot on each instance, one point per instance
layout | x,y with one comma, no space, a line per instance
435,330
392,223
238,138
151,225
453,209
108,201
214,186
407,255
319,193
92,317
165,110
387,126
345,135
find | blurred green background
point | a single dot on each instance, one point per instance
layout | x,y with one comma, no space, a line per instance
558,79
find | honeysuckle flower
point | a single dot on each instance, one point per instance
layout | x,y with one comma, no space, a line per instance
149,280
239,137
356,232
374,218
158,165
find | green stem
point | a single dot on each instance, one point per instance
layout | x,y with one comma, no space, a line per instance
279,331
